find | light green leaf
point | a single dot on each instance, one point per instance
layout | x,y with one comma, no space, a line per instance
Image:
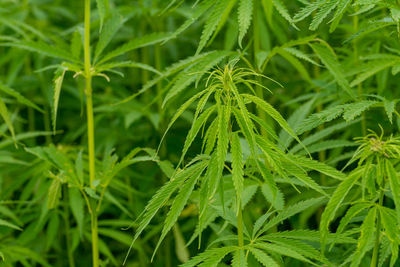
245,13
328,58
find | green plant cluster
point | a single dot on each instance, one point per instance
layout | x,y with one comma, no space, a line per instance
242,133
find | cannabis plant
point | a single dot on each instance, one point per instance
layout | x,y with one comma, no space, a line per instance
367,185
226,126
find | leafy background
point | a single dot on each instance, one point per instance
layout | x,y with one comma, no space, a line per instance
332,67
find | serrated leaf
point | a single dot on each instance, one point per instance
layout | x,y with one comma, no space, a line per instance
113,24
6,117
20,98
237,167
102,7
328,58
394,186
178,204
53,193
58,80
263,258
245,13
212,23
322,13
136,43
334,204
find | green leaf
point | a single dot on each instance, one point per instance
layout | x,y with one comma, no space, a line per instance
212,23
237,168
292,210
245,12
113,24
20,98
394,186
76,44
76,204
322,13
54,193
6,117
281,250
44,49
136,43
9,225
239,259
341,8
186,78
354,110
178,204
280,6
390,107
373,67
263,258
328,58
162,195
366,238
58,81
271,111
210,257
334,204
102,7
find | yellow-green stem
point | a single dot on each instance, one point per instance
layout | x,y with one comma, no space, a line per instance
90,132
375,253
240,225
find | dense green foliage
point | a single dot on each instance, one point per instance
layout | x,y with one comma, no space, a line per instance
199,133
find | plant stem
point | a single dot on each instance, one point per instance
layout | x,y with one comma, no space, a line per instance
375,258
90,132
70,253
240,225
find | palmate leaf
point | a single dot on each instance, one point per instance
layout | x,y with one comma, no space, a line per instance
237,168
239,259
282,250
6,117
210,257
44,49
9,225
271,111
341,8
179,203
112,25
136,43
194,73
373,67
328,58
349,111
280,6
322,13
162,195
58,80
194,130
20,98
394,186
367,233
212,23
245,12
334,204
102,7
292,210
301,248
317,166
352,212
263,257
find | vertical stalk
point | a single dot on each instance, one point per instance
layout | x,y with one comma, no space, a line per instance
71,262
90,132
240,226
375,253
